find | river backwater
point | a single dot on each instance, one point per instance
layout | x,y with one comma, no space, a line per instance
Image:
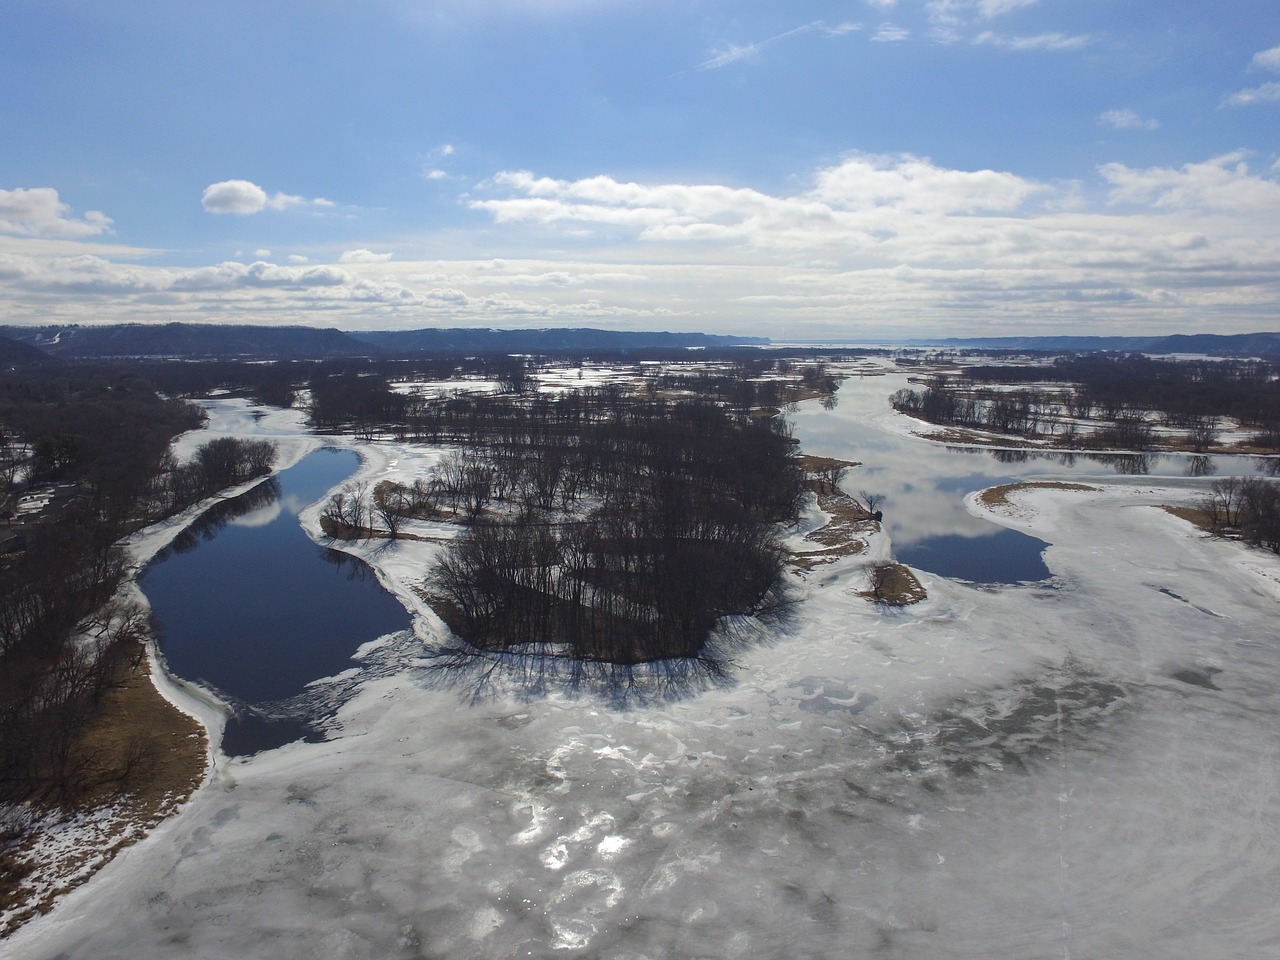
924,482
251,607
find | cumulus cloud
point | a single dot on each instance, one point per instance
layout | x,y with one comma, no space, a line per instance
243,197
38,212
1267,59
1266,93
363,256
861,195
234,196
1223,183
435,173
1127,120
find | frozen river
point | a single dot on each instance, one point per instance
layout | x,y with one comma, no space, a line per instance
1076,767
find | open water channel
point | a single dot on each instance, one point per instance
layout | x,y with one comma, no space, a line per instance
251,607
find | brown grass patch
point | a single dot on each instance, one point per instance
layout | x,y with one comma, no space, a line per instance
1193,515
999,496
895,585
139,759
840,536
811,464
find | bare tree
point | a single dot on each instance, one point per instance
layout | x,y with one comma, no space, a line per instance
872,502
344,514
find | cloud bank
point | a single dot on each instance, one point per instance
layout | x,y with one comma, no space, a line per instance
883,244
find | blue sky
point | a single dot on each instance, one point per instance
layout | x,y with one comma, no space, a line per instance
871,168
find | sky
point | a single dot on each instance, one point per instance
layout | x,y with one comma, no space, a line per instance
803,170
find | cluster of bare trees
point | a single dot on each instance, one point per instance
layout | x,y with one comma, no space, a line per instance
1125,393
50,675
222,462
1050,414
621,528
1247,507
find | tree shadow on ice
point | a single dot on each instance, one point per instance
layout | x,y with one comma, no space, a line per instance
532,671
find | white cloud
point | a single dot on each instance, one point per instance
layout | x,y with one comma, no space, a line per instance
262,253
1267,93
363,256
882,4
435,174
996,8
296,258
243,197
890,33
234,196
1043,41
840,29
1222,184
733,52
949,18
1267,59
885,240
38,212
1127,119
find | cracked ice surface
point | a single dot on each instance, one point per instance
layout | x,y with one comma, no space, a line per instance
993,773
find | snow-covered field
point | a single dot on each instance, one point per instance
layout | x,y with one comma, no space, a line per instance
1084,768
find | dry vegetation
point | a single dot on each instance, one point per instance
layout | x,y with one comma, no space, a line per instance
995,497
1196,516
142,759
841,536
895,585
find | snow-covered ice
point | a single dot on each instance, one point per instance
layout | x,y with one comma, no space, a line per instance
1084,768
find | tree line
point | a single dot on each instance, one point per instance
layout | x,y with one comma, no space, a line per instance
1123,398
63,640
1124,394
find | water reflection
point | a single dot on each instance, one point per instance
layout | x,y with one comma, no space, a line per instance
207,525
1201,466
257,611
925,483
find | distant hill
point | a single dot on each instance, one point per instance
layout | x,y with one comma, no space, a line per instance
189,341
1209,344
215,341
14,353
452,340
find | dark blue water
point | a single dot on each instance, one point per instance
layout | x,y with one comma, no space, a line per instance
250,606
1005,556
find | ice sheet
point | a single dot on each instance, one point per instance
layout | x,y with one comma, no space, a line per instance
1021,772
